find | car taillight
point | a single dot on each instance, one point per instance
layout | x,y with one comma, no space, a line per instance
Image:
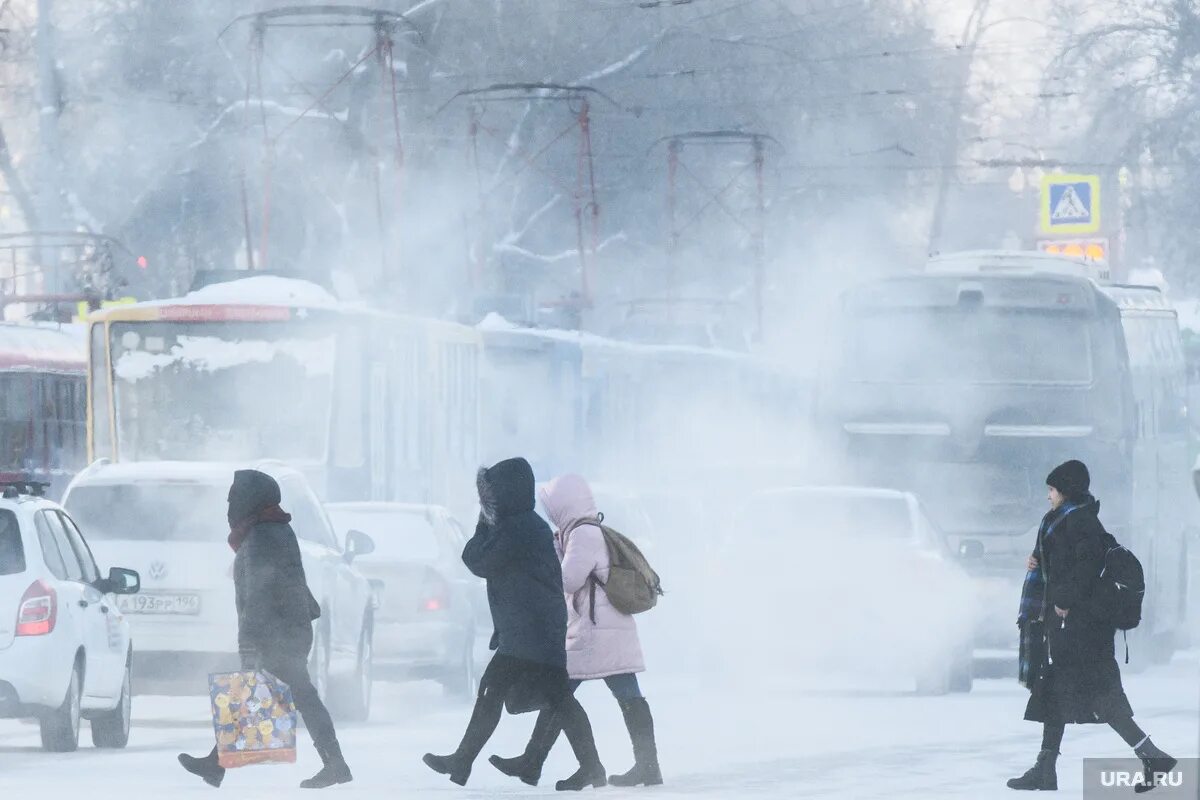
38,611
436,594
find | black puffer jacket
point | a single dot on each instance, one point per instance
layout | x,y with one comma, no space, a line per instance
1083,683
513,550
274,605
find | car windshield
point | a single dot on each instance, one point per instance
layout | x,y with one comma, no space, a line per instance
12,552
976,345
169,512
222,382
398,535
819,514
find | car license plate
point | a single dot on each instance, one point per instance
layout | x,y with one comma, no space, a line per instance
159,603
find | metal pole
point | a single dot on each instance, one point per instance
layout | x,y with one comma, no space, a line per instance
673,148
760,233
970,40
585,124
49,100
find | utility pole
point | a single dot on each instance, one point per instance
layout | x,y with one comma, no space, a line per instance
49,176
972,32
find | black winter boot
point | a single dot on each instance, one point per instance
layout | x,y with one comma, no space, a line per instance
207,768
458,768
640,723
579,733
1041,776
527,767
1154,762
334,770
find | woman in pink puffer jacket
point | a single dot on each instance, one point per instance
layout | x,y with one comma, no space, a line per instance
602,642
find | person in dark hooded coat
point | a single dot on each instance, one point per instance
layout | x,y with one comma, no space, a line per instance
275,613
513,550
1078,679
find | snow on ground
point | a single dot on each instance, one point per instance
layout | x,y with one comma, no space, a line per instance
761,737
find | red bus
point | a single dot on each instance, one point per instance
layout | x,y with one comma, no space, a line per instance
43,404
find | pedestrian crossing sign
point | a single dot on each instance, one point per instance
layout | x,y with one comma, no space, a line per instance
1070,204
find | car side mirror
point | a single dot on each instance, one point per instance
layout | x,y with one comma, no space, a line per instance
120,581
970,549
358,544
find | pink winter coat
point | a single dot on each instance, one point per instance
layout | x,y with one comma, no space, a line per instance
610,645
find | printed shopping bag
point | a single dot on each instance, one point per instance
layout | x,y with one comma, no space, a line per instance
254,718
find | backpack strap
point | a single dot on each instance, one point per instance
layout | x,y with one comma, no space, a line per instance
598,521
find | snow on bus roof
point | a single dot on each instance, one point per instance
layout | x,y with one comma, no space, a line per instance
495,323
39,345
259,290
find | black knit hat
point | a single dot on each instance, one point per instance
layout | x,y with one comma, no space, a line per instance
1071,478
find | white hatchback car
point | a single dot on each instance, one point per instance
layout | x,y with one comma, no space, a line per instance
65,648
167,519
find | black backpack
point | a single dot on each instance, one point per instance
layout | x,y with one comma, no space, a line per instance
1121,587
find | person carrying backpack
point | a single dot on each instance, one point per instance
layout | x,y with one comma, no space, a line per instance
513,550
1068,639
602,642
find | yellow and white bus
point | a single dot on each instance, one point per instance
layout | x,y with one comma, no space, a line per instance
370,405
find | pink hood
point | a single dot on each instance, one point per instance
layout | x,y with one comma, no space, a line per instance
568,499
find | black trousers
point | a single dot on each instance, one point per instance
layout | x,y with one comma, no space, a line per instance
1126,728
503,674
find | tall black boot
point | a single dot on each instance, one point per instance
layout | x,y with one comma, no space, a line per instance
578,729
333,772
1154,763
640,723
484,719
1041,776
528,766
207,767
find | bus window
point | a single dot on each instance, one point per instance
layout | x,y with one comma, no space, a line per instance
16,432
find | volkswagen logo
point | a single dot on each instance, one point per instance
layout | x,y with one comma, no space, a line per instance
158,570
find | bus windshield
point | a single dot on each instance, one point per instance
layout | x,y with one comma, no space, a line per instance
972,345
222,390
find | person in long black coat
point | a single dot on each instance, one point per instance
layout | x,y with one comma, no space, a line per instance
513,550
275,613
1078,680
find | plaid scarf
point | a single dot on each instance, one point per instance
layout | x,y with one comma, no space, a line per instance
1032,612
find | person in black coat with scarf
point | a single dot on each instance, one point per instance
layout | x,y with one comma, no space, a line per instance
513,550
1068,652
275,613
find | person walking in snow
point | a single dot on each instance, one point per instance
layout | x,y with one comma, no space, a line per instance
275,613
513,550
1068,654
602,642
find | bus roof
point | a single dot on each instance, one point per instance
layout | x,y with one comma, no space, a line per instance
26,346
259,298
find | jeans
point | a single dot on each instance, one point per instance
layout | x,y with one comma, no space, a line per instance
623,687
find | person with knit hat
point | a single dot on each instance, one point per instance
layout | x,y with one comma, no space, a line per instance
275,613
1068,654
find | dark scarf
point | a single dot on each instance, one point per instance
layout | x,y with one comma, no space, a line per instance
239,531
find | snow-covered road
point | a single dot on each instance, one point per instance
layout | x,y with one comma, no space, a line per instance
759,737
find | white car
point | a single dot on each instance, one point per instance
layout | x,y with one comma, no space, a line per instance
65,647
849,581
168,520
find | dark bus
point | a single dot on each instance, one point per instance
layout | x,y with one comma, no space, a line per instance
967,383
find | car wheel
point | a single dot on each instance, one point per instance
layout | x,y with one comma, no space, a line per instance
463,679
936,678
111,729
963,676
60,727
354,698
